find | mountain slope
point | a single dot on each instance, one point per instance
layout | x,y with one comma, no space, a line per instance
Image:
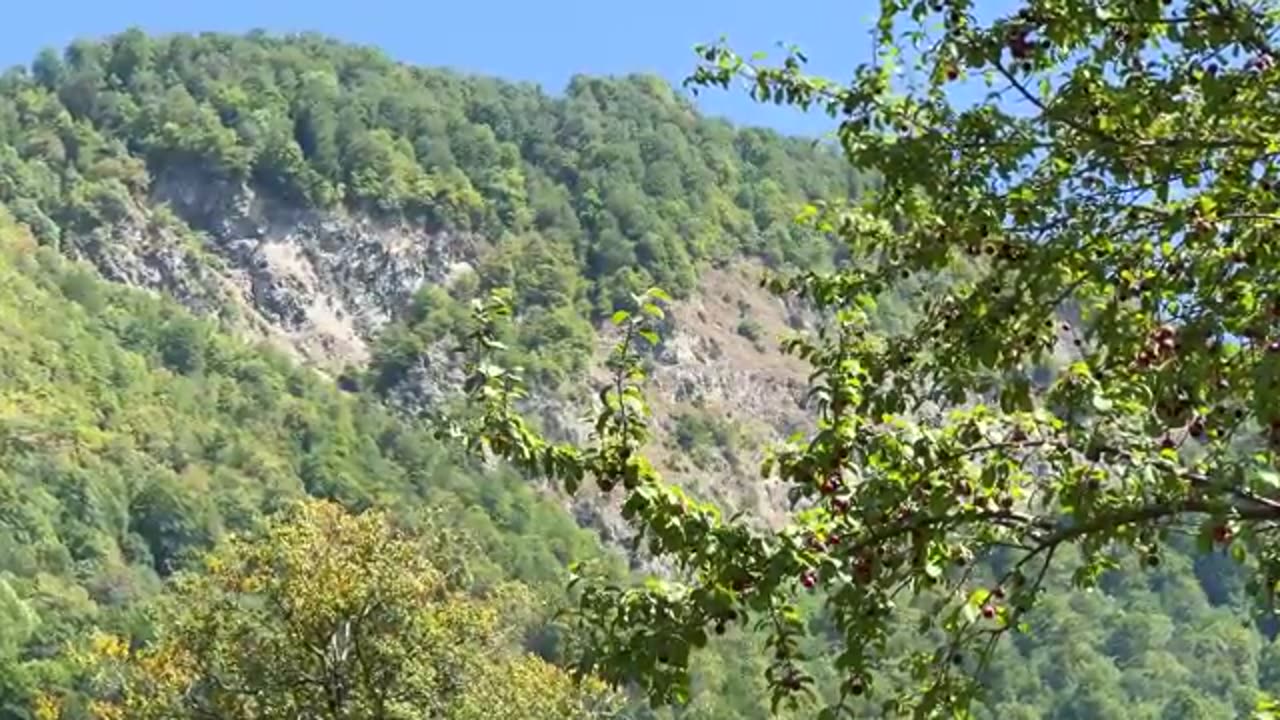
258,140
315,194
344,209
132,434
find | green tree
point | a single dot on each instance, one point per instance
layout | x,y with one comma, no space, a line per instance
1124,215
331,615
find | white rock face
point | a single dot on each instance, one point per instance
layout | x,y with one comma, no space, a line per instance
319,283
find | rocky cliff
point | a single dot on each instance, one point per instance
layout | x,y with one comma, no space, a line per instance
321,284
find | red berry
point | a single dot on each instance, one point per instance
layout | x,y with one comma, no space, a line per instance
809,579
1222,534
988,611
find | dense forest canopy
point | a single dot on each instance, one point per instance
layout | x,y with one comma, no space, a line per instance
134,436
620,172
613,185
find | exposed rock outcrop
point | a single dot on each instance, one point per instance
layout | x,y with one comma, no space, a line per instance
321,284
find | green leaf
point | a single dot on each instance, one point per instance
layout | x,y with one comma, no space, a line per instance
698,638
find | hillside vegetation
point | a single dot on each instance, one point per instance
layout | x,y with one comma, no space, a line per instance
135,435
585,197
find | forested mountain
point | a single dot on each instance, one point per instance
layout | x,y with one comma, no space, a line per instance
620,174
134,435
295,201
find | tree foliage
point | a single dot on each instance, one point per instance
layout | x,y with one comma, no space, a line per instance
1114,191
329,615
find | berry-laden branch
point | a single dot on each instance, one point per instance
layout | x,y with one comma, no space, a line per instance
1092,368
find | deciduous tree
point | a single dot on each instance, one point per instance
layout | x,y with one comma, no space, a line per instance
337,616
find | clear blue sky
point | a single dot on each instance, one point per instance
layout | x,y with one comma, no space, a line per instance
544,41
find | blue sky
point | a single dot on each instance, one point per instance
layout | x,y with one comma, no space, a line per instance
544,41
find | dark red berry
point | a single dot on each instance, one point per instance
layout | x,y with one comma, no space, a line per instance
1196,429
